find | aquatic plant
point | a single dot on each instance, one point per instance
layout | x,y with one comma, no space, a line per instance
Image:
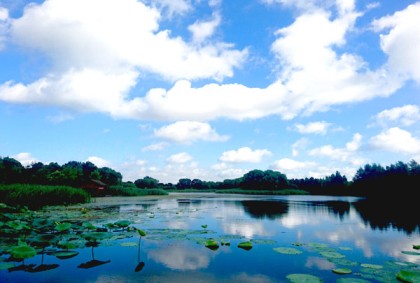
245,245
211,244
303,278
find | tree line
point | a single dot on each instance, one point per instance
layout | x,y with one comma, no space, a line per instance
370,180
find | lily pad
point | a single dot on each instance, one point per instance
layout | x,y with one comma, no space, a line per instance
60,227
410,253
204,226
329,254
212,244
409,276
96,236
342,270
289,251
303,278
22,252
65,254
416,247
122,223
6,265
245,245
141,232
374,266
128,244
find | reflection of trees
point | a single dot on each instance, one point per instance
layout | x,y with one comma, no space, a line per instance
338,208
261,209
389,214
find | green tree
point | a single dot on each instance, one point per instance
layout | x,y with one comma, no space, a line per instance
146,183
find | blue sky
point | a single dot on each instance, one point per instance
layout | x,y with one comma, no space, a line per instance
210,89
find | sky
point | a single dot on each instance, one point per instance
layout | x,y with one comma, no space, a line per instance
211,89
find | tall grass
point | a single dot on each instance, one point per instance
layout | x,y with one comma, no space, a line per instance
37,196
132,190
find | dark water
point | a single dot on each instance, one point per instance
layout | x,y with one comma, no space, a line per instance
370,239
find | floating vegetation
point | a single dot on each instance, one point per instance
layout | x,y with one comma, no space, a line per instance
329,254
211,244
61,227
416,247
289,251
345,248
204,226
411,253
411,276
263,241
374,266
342,270
303,278
128,244
65,254
6,265
343,261
245,245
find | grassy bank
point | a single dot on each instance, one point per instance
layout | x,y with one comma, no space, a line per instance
37,196
126,190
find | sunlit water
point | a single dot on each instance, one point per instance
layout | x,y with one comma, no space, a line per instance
173,249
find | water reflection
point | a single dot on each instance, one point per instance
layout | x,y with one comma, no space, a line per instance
181,257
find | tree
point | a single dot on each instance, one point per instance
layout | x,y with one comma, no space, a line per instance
110,176
184,183
146,183
264,180
11,171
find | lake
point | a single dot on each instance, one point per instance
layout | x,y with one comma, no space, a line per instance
194,237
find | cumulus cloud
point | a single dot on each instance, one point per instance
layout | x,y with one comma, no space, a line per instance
244,154
405,116
98,161
287,164
298,145
320,127
396,140
201,30
155,146
4,24
25,158
346,154
189,131
400,40
181,157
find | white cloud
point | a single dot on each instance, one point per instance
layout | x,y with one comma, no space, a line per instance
173,7
25,158
287,164
98,161
226,171
188,132
181,157
155,146
405,116
320,127
396,140
298,145
346,154
244,154
4,25
400,40
201,30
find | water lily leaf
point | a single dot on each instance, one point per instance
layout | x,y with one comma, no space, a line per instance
303,278
416,247
22,252
141,232
204,226
374,266
122,223
65,254
128,244
410,253
410,276
329,254
212,244
44,240
60,227
288,251
6,265
88,225
342,270
96,236
245,245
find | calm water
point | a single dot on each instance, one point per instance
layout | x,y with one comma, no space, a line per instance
329,233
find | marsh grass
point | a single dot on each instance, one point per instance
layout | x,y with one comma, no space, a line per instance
124,190
38,196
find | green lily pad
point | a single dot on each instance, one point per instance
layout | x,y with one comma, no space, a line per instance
410,253
23,251
303,278
289,251
128,244
122,223
352,280
65,254
96,236
141,232
409,276
204,226
44,240
416,247
374,266
60,227
342,270
245,245
6,265
88,225
329,254
211,244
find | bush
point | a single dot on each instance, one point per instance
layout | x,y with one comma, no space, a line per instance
37,196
